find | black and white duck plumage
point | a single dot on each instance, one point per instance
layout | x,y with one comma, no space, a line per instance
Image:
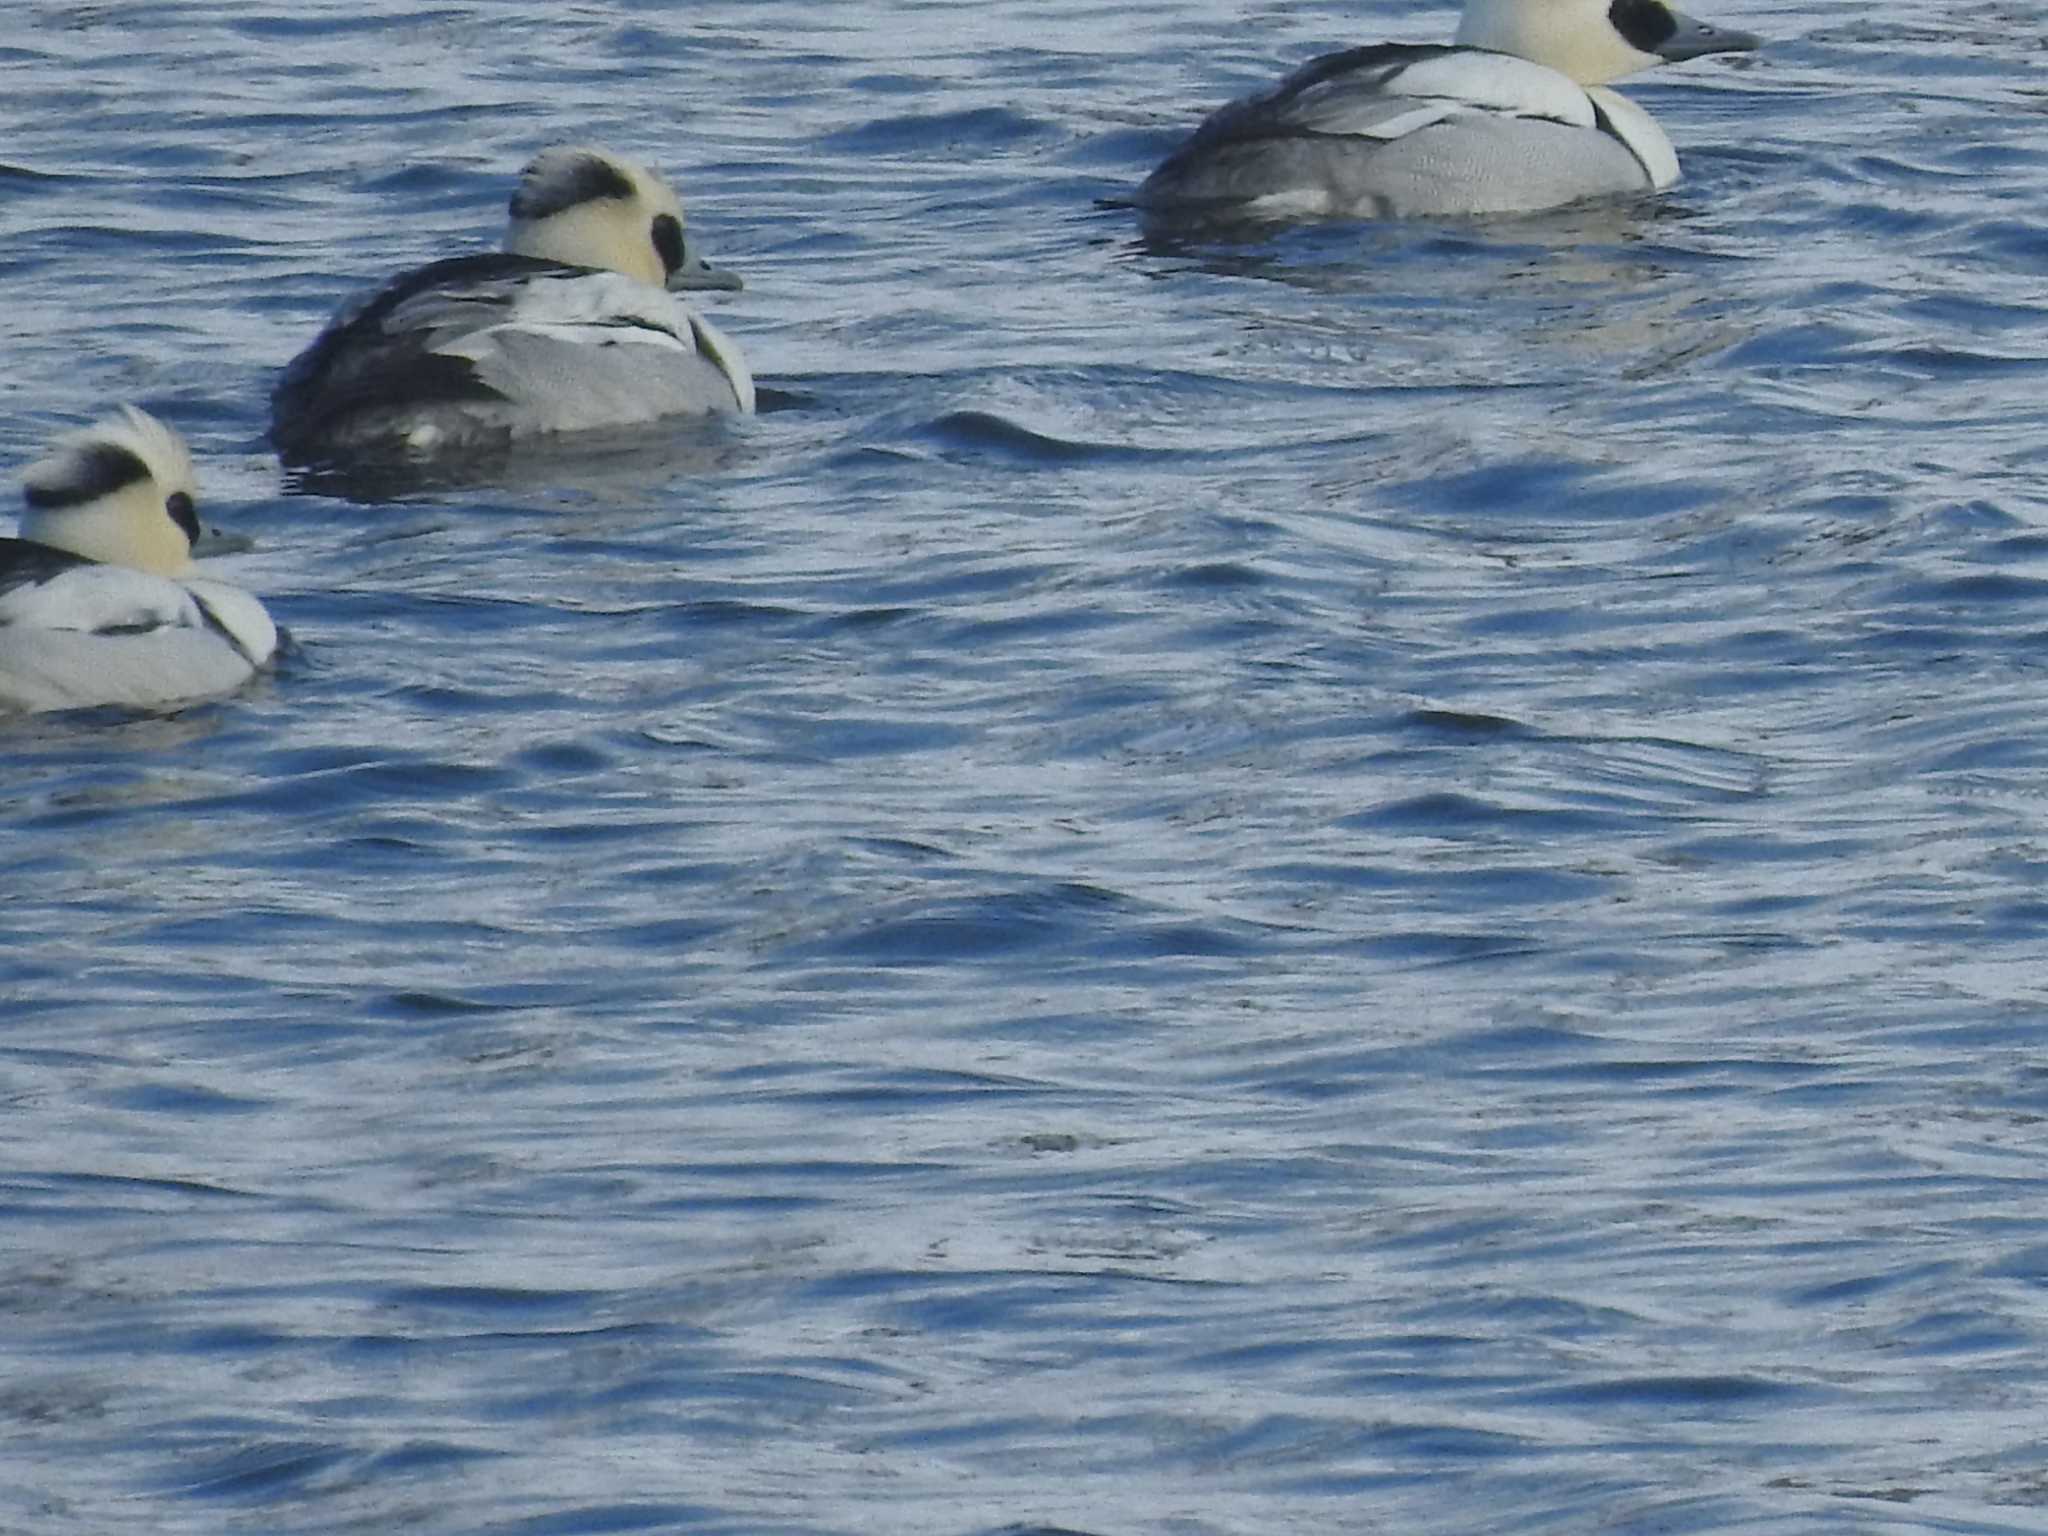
576,324
99,601
1512,117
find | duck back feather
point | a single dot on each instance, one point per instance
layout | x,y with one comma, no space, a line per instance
76,633
475,349
1397,130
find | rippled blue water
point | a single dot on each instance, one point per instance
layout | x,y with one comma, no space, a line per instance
1385,881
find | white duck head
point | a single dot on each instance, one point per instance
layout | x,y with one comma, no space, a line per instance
590,208
120,491
1594,41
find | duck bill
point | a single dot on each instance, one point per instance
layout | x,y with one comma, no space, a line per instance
218,541
696,274
1694,39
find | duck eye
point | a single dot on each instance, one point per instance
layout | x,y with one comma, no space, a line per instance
1645,24
668,241
179,505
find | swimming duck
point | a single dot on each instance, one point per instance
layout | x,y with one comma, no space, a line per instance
573,325
1512,117
98,603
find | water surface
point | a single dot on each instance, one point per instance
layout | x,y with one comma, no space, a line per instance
1384,879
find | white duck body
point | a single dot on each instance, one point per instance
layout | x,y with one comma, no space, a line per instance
98,603
572,326
1510,118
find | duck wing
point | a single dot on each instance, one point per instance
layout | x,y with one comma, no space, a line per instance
77,632
599,349
52,589
380,352
27,564
498,344
1392,130
1389,90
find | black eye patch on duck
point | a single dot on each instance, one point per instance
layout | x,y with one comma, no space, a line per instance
1646,24
87,474
668,241
584,179
184,514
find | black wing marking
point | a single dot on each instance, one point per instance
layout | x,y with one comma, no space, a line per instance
23,562
123,602
1361,90
1275,114
360,362
213,622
